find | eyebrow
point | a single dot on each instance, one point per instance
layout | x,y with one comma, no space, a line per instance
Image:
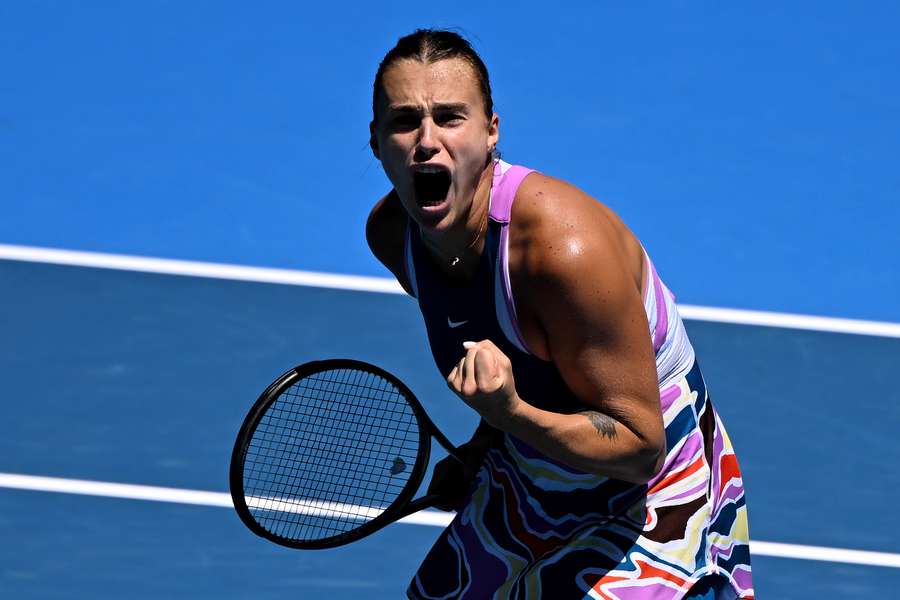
438,107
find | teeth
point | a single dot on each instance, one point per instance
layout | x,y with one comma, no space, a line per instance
430,169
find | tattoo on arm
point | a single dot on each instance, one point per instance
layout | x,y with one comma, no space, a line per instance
605,425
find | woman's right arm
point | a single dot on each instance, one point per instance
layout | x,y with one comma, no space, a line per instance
386,234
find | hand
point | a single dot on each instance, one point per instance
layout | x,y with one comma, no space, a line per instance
452,479
483,379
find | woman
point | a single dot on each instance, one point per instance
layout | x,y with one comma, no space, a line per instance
600,467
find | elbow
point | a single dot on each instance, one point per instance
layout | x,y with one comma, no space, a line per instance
647,463
656,460
639,466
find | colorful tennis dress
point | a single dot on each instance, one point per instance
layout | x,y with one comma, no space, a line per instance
535,528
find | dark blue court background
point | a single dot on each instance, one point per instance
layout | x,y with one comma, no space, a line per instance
142,378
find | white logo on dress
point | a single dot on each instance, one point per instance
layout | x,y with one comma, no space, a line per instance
455,324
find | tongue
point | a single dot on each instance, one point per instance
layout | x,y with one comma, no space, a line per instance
431,188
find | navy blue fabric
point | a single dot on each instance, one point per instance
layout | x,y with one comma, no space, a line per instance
538,382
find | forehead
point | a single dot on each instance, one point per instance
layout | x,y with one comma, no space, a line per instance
451,80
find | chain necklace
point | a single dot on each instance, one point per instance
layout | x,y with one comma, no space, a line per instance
454,260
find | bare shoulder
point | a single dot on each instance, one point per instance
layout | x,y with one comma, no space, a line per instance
386,233
567,250
554,223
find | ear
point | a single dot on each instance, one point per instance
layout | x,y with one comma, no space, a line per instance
373,141
493,132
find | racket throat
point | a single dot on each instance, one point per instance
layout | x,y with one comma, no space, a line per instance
418,504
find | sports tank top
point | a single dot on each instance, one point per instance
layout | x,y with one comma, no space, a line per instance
534,524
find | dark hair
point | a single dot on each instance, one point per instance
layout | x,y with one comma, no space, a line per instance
432,45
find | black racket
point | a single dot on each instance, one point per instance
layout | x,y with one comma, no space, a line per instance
331,452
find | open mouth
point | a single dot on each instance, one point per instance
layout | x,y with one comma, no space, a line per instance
431,187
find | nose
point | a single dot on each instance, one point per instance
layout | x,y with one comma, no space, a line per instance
427,145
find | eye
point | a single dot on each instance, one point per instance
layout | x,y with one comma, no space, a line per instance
449,119
404,122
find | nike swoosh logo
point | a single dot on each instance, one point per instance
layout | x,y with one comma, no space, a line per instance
455,324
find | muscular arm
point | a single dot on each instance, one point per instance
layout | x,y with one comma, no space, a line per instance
578,291
605,425
385,232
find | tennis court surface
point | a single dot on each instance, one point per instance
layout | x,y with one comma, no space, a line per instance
124,377
195,162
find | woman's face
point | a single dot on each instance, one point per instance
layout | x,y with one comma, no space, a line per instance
433,138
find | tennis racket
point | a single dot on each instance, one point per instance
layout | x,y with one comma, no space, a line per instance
331,452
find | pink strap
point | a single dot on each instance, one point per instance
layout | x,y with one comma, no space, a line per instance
503,190
662,313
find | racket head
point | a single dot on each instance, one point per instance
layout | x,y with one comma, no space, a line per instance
300,422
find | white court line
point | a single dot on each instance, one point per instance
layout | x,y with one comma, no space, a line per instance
169,266
383,285
789,321
425,517
163,494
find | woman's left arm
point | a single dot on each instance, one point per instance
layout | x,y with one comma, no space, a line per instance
579,293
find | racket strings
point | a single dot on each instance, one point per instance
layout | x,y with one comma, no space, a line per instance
293,468
284,480
325,438
330,454
317,493
260,463
333,456
348,454
359,487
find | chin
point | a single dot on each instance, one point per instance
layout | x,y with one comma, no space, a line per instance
436,217
434,223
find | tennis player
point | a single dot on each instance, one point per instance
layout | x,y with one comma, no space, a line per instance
600,468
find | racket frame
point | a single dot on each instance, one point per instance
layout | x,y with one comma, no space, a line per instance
402,506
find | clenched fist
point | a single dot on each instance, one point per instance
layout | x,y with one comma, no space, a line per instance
483,378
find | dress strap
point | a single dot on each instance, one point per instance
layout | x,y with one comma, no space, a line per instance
507,179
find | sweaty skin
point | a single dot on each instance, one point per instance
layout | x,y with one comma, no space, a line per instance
426,119
576,273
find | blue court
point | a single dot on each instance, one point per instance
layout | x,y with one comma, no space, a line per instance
144,378
751,151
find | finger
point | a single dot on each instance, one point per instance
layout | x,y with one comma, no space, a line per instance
486,343
455,378
451,377
487,371
502,361
469,382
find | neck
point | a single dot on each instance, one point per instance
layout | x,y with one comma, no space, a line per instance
461,246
